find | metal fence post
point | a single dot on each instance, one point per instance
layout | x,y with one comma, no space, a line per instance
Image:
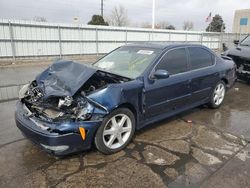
152,35
13,47
221,41
201,38
96,39
126,36
59,40
80,40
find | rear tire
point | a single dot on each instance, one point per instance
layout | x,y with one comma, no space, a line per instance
116,131
218,95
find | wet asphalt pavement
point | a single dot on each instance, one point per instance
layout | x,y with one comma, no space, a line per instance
211,151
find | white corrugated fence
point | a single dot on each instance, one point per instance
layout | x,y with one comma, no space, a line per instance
20,39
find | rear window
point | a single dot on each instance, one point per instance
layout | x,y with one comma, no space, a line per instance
200,58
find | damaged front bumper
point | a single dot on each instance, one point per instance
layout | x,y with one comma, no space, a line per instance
243,66
243,72
57,143
244,76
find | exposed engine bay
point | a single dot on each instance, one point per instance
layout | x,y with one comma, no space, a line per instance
54,108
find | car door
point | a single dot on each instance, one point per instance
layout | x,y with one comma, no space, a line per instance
204,75
172,93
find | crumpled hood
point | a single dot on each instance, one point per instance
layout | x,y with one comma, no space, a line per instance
64,78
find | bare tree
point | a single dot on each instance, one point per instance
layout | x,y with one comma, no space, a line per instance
162,25
146,25
135,24
118,17
188,25
39,19
159,25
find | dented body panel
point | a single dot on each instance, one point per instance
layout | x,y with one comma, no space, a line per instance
129,94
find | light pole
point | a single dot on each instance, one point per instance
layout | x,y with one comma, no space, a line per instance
153,14
102,8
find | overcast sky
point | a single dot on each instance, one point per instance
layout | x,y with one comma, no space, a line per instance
172,11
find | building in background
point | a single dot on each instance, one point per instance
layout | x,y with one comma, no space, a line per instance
241,22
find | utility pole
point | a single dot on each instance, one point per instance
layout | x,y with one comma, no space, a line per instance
102,8
153,14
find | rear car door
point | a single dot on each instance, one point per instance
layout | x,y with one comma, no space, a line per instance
204,75
169,94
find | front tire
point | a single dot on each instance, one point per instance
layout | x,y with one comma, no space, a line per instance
218,95
116,131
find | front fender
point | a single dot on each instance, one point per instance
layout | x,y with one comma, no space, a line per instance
115,95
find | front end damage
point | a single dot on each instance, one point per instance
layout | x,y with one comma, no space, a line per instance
243,67
55,111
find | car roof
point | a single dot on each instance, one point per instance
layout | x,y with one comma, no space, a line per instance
163,45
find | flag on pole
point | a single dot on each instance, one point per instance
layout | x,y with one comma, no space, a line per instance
209,18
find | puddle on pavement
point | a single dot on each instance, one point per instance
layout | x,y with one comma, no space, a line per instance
233,116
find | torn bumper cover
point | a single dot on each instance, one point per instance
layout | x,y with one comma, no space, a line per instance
70,141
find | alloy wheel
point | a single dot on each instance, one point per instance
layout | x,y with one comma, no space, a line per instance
219,94
117,131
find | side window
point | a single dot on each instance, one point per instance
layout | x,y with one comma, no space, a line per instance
174,61
200,58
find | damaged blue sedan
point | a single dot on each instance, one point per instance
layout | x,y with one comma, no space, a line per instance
70,107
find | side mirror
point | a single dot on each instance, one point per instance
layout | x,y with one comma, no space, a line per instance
236,42
160,74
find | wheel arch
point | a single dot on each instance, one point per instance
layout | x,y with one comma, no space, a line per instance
131,108
225,80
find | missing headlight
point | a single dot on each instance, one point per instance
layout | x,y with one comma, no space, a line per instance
85,112
67,101
23,91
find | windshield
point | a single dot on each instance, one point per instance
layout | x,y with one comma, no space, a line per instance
246,41
128,61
